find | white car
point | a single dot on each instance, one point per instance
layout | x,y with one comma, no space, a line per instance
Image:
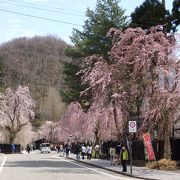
45,147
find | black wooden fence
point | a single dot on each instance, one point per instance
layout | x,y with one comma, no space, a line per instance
175,145
7,148
158,146
138,150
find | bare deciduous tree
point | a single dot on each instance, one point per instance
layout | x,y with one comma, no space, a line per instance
52,108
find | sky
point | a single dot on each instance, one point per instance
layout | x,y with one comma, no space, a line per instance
28,18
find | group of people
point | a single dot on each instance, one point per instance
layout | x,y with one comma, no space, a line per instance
83,150
118,155
29,148
79,149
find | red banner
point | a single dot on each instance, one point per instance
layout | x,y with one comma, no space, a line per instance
149,152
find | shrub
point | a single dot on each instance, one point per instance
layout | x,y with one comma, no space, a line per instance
163,164
153,165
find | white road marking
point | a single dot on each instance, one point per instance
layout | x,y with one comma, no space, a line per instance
91,168
4,160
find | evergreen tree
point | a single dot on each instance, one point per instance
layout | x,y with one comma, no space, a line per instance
91,40
176,14
71,90
151,13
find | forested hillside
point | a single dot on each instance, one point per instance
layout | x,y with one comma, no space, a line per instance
37,63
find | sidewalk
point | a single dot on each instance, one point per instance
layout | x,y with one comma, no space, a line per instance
137,172
1,158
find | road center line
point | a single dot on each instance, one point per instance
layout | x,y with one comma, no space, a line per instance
91,168
4,160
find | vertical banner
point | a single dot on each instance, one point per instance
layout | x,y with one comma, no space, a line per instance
149,152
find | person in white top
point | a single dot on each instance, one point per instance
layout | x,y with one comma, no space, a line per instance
89,152
97,151
83,151
112,152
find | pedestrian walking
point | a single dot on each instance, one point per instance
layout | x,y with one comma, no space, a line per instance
112,152
89,152
57,148
67,149
118,152
61,148
13,148
124,158
83,151
77,150
97,151
28,148
64,150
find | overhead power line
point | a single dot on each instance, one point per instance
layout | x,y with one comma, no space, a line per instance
43,9
51,7
39,17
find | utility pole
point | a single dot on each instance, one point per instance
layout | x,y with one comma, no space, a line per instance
164,3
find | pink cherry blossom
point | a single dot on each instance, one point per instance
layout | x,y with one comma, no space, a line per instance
16,110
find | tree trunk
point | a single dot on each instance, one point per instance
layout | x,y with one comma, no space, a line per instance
97,138
167,147
12,136
97,134
116,120
167,144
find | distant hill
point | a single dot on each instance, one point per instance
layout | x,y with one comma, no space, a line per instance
34,62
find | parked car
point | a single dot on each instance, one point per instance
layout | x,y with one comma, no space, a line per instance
45,147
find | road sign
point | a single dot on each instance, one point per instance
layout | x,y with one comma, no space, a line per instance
132,126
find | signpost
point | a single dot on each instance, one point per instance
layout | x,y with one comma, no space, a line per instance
132,129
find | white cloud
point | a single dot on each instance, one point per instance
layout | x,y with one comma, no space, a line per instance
67,40
36,1
15,32
62,0
14,29
13,21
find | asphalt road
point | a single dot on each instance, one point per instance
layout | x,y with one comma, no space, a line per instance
38,166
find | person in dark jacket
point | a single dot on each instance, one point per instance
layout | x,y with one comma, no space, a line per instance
28,148
67,149
118,152
77,150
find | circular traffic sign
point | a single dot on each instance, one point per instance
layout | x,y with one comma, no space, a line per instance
132,124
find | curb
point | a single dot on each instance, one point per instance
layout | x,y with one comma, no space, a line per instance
101,167
2,155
